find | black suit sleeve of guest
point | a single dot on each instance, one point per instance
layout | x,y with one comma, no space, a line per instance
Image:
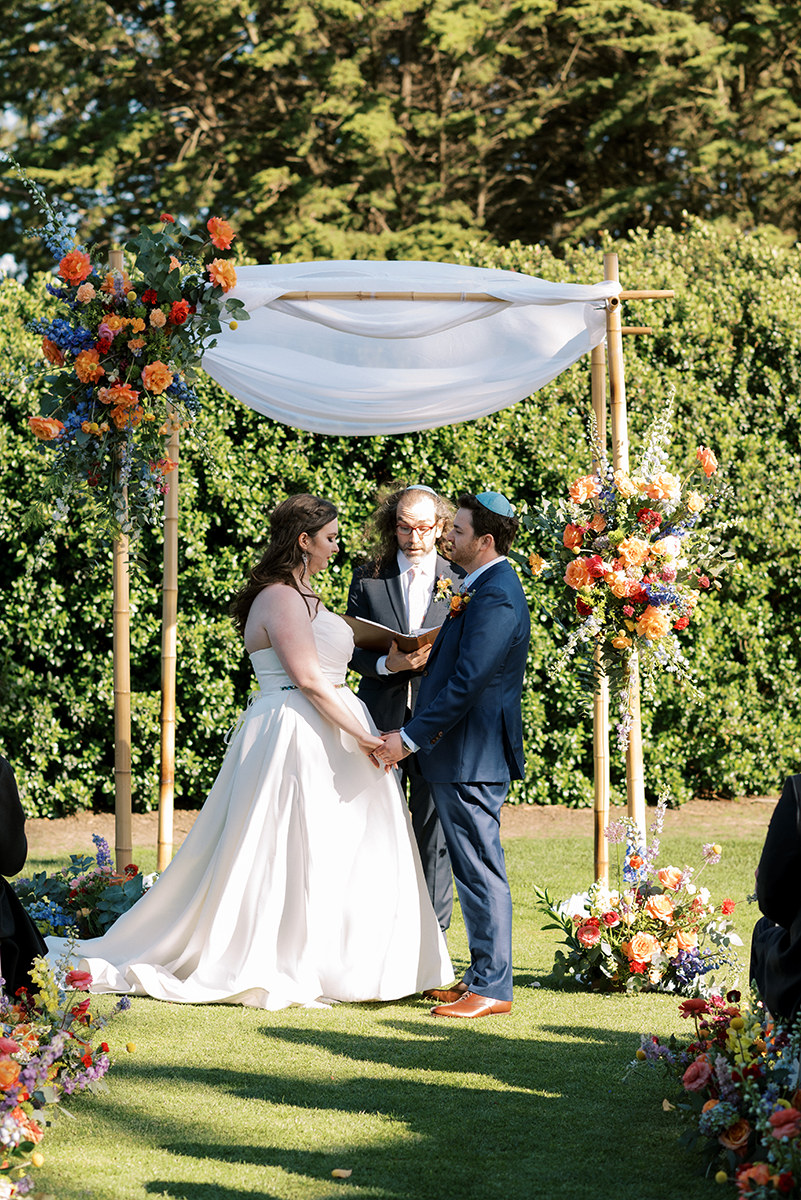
776,941
778,886
20,940
13,843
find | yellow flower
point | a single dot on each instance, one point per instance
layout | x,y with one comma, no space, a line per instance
535,564
621,642
695,502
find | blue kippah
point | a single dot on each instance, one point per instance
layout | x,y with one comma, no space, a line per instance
420,487
496,503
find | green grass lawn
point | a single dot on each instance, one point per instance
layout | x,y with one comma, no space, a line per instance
231,1102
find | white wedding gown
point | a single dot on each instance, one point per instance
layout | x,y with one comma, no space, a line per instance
299,882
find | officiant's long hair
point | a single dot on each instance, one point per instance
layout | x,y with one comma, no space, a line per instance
288,520
380,531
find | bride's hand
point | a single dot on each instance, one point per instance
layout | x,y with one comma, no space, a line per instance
368,744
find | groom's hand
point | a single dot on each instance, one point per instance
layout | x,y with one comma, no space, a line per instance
393,749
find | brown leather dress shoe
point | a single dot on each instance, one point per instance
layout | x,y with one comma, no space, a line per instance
446,995
471,1005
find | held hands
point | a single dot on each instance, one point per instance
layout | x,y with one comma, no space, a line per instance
369,743
392,749
415,660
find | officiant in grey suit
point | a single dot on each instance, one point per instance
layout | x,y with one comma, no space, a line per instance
406,584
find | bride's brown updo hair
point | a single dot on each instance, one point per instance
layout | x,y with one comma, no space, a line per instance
288,520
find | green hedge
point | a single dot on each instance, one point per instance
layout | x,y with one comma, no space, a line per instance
731,347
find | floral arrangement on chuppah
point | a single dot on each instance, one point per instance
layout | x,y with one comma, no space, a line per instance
738,1080
633,562
655,930
50,1047
121,355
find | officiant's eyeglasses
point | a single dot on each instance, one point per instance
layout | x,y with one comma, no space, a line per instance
408,530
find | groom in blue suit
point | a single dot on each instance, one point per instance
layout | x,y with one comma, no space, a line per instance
467,730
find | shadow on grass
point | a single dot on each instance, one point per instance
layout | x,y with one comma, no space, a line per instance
187,1189
464,1103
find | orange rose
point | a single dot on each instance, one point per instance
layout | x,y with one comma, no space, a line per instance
220,232
85,293
736,1136
751,1177
573,537
121,394
158,318
75,266
535,564
45,428
156,376
695,502
125,417
633,551
584,488
9,1073
115,321
660,907
598,523
671,948
641,948
624,484
670,877
620,641
577,575
697,1075
52,353
618,583
654,623
785,1122
687,939
87,366
707,460
222,274
663,487
137,324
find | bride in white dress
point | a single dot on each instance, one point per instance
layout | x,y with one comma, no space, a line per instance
300,881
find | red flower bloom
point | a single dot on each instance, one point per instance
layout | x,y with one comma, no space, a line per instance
179,312
703,581
785,1183
87,1059
595,566
693,1007
682,623
582,607
637,968
149,296
166,218
649,518
727,907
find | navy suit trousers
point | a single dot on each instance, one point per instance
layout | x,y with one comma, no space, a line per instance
470,814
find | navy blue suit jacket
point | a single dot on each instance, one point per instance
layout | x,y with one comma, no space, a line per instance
467,721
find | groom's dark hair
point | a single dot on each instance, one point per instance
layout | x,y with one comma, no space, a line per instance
503,529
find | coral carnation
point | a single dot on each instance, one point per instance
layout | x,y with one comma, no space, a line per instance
156,376
222,274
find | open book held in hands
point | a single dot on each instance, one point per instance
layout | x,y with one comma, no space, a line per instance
369,635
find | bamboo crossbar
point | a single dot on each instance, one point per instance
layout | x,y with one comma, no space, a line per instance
636,329
478,297
645,295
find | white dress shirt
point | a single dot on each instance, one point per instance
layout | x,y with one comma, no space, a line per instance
417,583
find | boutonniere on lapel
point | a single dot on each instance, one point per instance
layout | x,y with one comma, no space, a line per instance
444,588
459,603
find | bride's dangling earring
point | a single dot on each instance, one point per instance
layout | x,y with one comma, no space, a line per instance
305,560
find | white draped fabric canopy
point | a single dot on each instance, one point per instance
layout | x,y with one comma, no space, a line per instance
383,366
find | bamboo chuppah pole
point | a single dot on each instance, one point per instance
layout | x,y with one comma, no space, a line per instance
635,780
600,705
169,654
123,838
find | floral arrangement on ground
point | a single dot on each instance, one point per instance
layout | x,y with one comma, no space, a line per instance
655,930
121,355
83,899
738,1079
50,1048
633,563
